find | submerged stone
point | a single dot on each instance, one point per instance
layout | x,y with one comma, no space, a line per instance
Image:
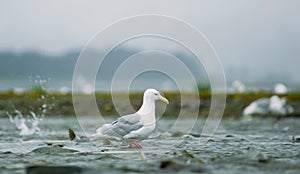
257,155
53,150
295,139
176,165
53,169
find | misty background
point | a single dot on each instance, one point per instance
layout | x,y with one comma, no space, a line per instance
257,40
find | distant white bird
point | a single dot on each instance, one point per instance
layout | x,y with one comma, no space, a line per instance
279,106
259,106
280,88
133,127
238,86
273,105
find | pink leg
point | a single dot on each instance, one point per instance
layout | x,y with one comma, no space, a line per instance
135,142
277,119
137,145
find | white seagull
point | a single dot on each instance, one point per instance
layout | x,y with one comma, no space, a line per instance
274,105
278,106
280,88
259,107
238,87
131,128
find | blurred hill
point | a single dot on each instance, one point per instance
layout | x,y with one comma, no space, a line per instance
22,65
14,66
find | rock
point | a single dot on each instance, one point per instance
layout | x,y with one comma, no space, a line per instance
256,155
170,164
58,145
83,139
176,165
53,150
106,142
295,138
176,134
49,143
53,169
191,156
6,152
194,134
262,157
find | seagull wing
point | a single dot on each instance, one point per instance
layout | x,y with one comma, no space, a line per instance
122,126
263,103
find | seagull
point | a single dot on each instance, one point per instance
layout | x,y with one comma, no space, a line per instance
259,106
275,105
279,106
133,127
238,87
280,88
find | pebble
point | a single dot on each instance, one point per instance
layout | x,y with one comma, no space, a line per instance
53,150
257,155
53,169
296,138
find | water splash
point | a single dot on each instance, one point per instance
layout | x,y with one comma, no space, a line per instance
27,125
47,104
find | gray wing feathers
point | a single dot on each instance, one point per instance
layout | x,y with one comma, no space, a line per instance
122,126
288,108
263,103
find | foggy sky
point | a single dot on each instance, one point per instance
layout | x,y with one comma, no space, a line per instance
253,38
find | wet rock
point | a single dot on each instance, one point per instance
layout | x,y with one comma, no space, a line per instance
128,169
104,150
196,135
188,137
49,143
106,142
54,170
53,150
295,138
261,157
6,152
191,156
243,139
256,155
177,134
184,161
170,164
58,145
176,165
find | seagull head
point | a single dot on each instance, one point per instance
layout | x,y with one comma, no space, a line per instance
153,94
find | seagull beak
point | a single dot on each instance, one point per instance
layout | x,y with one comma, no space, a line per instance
163,99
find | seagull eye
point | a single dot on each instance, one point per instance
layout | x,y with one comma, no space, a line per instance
156,94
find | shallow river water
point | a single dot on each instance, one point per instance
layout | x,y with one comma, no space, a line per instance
238,146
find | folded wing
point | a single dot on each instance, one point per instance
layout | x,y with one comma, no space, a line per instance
121,127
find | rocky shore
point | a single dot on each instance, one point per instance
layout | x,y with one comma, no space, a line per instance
55,104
